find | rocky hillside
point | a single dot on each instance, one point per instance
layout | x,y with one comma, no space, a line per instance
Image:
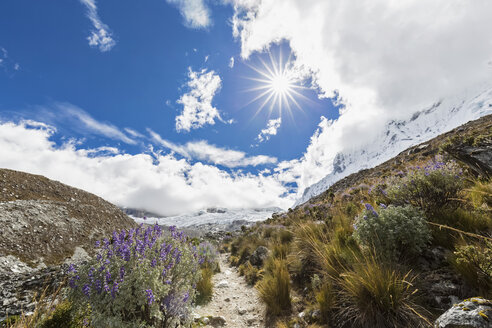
44,221
470,143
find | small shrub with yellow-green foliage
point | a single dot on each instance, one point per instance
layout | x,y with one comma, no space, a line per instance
474,263
274,287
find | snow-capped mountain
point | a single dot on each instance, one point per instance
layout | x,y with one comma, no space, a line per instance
397,136
214,216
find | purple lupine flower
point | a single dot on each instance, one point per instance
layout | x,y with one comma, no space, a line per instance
383,206
114,289
72,268
86,290
186,296
150,296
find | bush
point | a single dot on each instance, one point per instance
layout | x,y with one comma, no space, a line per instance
433,187
205,286
474,262
140,277
274,288
394,232
373,295
208,256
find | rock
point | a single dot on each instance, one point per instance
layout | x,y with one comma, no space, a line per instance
251,321
227,299
301,314
223,284
259,255
217,321
474,312
316,314
241,311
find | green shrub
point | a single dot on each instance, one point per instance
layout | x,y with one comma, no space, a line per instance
394,232
432,187
205,286
208,256
373,295
274,287
474,262
142,277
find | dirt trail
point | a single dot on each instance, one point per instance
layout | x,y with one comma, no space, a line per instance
233,300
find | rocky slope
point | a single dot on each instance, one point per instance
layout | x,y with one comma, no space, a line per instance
399,135
44,224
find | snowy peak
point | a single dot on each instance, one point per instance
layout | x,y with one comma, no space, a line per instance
399,135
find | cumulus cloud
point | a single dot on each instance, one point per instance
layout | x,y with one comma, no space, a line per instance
382,59
195,12
160,183
231,62
203,151
101,36
270,130
197,102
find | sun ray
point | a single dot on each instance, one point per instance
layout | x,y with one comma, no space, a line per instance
277,85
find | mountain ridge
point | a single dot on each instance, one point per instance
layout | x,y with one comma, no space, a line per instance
399,135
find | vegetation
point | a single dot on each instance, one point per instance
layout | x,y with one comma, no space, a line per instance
474,262
374,295
432,187
353,255
274,288
394,232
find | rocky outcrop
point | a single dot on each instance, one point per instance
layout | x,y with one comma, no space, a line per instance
259,256
478,155
474,312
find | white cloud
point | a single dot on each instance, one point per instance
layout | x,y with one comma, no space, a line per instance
101,36
270,130
134,133
231,62
385,59
158,183
195,12
197,102
83,121
203,151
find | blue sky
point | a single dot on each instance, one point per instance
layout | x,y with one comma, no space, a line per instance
136,84
138,101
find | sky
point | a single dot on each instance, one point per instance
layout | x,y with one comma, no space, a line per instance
178,105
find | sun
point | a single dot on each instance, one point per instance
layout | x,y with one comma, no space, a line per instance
278,85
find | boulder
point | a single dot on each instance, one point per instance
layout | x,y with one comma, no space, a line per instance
259,256
475,312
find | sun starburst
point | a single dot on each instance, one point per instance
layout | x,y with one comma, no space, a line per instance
278,85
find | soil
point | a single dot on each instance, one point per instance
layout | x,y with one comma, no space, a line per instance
234,300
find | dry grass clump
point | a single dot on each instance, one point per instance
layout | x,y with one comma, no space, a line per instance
374,295
205,286
274,288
